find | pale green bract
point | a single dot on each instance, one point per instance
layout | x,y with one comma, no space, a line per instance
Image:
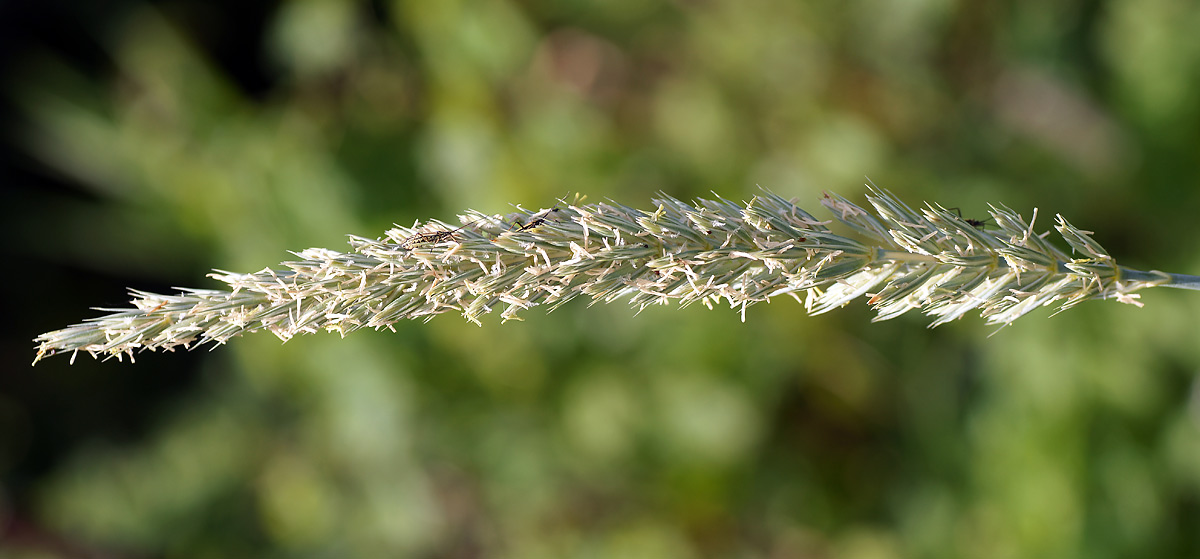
706,252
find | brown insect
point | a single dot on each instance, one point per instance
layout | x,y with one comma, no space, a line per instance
432,237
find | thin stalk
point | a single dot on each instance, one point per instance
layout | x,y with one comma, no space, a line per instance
1163,279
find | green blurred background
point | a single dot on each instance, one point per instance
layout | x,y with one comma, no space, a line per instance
149,142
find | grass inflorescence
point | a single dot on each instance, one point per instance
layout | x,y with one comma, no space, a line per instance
708,252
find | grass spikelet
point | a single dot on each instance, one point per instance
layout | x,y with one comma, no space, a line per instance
711,252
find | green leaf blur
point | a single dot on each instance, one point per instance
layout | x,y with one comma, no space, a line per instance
592,432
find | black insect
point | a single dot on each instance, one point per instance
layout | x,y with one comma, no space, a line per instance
432,237
976,223
539,219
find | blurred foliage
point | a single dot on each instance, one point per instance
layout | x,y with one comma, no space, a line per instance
590,432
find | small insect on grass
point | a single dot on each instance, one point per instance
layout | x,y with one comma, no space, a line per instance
539,219
976,223
433,236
